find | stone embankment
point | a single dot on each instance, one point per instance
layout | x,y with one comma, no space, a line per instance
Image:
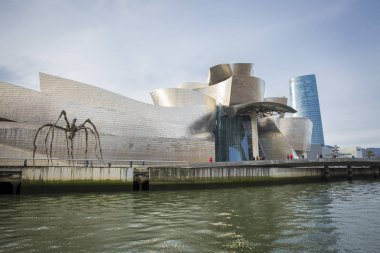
25,179
260,172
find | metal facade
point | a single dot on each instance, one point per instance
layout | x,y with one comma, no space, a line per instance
129,130
228,117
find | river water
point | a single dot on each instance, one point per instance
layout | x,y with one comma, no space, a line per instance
311,217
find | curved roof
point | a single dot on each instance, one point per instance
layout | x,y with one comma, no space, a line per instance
219,73
177,97
262,109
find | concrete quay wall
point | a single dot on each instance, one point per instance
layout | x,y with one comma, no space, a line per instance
252,174
76,173
81,178
68,178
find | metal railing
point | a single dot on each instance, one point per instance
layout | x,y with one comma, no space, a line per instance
13,161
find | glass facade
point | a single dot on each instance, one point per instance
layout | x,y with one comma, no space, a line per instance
303,96
233,137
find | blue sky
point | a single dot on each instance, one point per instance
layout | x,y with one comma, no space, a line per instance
134,47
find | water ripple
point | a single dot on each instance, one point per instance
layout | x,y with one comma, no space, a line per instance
318,217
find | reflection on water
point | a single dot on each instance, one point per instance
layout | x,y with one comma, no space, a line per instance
318,217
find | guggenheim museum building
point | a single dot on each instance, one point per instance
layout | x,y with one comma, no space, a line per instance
226,118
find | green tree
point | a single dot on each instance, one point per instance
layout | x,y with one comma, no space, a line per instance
370,153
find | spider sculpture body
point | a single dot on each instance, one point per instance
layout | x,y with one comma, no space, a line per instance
70,131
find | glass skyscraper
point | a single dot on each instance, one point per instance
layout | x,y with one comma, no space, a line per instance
303,96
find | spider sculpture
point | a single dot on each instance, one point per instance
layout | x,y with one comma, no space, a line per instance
70,131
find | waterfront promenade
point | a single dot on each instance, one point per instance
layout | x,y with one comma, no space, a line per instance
142,176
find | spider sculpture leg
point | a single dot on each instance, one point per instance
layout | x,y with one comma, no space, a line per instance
87,129
96,145
72,148
63,113
67,145
35,138
95,133
51,129
46,146
38,131
67,130
86,132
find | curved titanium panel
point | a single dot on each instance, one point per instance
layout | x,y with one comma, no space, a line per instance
298,132
176,97
66,89
242,69
219,73
246,89
274,144
221,92
192,85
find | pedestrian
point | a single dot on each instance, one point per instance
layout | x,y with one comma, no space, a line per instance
303,156
25,163
291,156
210,159
109,165
287,157
320,156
